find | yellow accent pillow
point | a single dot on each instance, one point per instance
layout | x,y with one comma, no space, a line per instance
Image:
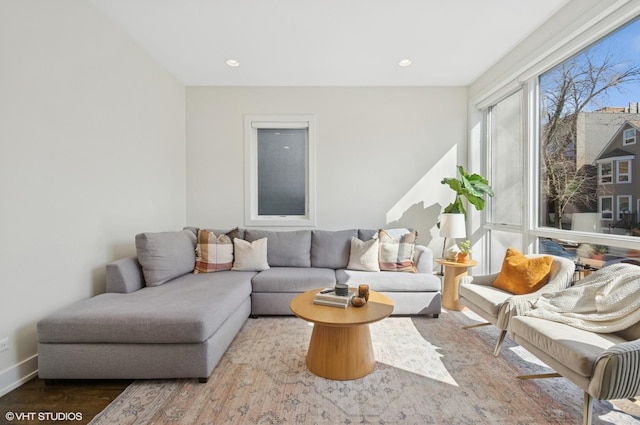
521,275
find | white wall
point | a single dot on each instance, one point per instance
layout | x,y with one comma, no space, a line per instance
92,151
381,152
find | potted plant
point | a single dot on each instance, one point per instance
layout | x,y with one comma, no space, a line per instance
465,251
598,252
472,187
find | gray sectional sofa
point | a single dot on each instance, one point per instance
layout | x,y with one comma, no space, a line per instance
157,319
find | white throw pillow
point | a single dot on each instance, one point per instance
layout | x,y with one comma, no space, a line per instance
250,256
364,255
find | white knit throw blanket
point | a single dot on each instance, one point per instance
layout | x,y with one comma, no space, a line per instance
606,301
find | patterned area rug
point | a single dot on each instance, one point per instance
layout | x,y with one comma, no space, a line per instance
429,371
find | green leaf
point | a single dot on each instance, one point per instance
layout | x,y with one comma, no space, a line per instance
476,201
472,187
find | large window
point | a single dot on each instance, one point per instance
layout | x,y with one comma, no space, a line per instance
572,183
279,170
506,172
586,145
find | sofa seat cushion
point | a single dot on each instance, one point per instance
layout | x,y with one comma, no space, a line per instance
487,298
572,347
293,279
386,281
199,304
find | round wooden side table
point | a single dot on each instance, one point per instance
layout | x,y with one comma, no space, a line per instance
453,271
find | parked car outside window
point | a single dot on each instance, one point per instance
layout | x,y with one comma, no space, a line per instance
547,246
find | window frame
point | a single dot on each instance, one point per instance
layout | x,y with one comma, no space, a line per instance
628,174
626,141
601,211
254,122
619,210
609,176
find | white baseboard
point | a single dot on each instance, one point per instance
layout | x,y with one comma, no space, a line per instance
17,375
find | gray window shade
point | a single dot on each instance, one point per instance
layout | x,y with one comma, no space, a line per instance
282,172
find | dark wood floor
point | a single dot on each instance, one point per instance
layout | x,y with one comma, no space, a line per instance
87,398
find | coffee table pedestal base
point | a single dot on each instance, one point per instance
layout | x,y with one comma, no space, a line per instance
341,352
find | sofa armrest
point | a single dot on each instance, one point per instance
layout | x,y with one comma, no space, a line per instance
616,373
124,276
485,280
424,259
518,305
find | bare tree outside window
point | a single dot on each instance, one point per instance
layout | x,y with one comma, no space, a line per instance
582,84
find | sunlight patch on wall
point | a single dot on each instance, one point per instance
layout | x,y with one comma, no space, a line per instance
428,189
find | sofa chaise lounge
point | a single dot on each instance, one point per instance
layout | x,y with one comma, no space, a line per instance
158,319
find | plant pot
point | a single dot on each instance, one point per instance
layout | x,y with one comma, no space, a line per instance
463,258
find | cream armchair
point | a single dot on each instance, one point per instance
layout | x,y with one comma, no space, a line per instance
605,366
497,307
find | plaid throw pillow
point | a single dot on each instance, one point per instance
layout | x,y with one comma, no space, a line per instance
396,254
213,253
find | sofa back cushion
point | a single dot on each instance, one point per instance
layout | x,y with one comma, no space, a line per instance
165,255
285,248
367,234
236,232
330,249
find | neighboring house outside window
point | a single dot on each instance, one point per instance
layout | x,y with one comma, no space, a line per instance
617,177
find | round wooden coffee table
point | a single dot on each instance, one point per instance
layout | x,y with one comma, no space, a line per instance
340,347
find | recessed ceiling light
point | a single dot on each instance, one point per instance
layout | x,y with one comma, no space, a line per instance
232,62
404,62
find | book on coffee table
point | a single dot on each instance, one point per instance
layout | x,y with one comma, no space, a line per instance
331,303
327,296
